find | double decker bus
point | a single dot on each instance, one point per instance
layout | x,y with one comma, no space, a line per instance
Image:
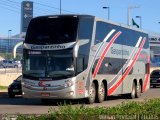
83,57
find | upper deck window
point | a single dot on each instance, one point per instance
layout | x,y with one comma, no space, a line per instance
52,30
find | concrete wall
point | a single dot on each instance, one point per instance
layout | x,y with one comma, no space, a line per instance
7,79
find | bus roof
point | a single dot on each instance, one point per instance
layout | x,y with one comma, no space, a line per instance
94,17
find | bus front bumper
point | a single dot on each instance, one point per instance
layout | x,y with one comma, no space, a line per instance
57,94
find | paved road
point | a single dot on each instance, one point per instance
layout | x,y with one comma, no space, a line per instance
34,106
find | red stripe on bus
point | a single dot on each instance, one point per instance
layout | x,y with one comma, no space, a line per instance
104,53
147,76
112,89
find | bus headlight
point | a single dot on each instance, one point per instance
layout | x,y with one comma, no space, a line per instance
71,93
68,84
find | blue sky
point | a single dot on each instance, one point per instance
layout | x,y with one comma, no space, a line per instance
148,10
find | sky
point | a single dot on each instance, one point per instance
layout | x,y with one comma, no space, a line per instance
10,11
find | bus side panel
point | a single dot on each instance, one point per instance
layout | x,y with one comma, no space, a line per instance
124,47
140,68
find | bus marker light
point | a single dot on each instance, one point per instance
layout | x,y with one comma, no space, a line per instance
71,93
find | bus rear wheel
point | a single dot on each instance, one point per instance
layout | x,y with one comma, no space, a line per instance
138,90
101,93
132,95
92,94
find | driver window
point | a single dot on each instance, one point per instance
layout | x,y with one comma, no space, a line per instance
80,64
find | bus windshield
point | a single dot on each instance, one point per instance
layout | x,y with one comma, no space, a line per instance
54,64
52,30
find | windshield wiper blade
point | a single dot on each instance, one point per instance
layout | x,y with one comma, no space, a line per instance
60,75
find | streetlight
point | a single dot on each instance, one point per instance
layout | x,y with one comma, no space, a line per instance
140,18
128,12
9,36
108,11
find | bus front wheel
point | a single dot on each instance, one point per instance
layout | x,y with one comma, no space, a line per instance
92,94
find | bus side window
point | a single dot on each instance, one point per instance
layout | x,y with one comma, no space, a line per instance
102,29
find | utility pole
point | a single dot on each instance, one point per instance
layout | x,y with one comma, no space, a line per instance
8,41
60,6
129,13
108,11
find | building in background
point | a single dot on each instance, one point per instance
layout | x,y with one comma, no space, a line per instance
7,44
154,39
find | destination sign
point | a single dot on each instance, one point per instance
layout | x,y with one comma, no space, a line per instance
49,47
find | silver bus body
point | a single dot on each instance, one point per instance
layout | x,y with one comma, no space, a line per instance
103,53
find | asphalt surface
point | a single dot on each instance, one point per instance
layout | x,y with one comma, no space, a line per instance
35,106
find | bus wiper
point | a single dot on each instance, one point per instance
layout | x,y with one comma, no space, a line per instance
60,75
35,73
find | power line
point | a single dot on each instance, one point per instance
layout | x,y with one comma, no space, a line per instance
11,10
17,6
9,5
44,11
44,5
12,6
53,7
13,1
35,8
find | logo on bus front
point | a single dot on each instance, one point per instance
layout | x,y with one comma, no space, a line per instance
47,47
43,84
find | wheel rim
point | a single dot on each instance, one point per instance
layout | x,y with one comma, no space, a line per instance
92,92
102,91
133,91
139,90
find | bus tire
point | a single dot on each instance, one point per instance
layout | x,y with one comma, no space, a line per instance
92,94
132,95
138,90
101,93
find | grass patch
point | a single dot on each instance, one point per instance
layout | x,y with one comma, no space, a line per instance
150,109
3,87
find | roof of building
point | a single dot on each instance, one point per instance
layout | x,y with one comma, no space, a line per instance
17,36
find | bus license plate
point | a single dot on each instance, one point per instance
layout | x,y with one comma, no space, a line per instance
45,94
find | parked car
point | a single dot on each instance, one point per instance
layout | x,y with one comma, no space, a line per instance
10,63
155,78
15,88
